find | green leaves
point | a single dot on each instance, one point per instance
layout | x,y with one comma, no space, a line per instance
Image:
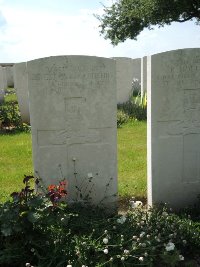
33,217
6,230
126,19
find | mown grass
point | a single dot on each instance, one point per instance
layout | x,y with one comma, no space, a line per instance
11,96
132,163
16,160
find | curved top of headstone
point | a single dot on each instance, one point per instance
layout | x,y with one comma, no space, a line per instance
121,58
69,56
187,50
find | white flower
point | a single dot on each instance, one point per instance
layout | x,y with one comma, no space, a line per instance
135,204
181,258
164,214
170,246
105,240
28,264
90,175
142,234
106,231
141,259
145,254
126,251
114,227
69,265
122,258
134,237
184,242
122,219
105,251
111,259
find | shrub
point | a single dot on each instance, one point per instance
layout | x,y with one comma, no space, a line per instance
133,110
9,114
44,231
122,118
10,118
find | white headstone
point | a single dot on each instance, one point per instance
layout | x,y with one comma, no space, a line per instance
21,87
2,85
143,75
5,84
73,122
174,127
127,69
136,62
9,76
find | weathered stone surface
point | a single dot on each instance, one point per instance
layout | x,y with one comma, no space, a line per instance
127,69
2,85
73,119
9,76
174,127
143,75
5,84
137,68
21,87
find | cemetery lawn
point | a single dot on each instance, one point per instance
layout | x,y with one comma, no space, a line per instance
16,161
132,162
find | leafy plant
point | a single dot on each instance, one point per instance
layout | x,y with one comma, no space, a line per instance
10,118
42,230
122,118
9,114
126,19
133,110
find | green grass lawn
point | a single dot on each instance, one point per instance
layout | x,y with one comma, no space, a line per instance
132,164
16,160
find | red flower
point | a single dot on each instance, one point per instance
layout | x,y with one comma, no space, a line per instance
51,187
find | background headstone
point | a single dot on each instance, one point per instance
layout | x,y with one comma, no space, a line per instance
5,84
9,76
21,87
126,70
73,123
2,85
143,75
174,127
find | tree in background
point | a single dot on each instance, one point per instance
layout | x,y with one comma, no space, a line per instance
125,19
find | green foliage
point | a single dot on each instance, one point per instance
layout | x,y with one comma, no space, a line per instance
35,230
134,110
10,117
125,19
136,107
140,100
122,118
9,114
